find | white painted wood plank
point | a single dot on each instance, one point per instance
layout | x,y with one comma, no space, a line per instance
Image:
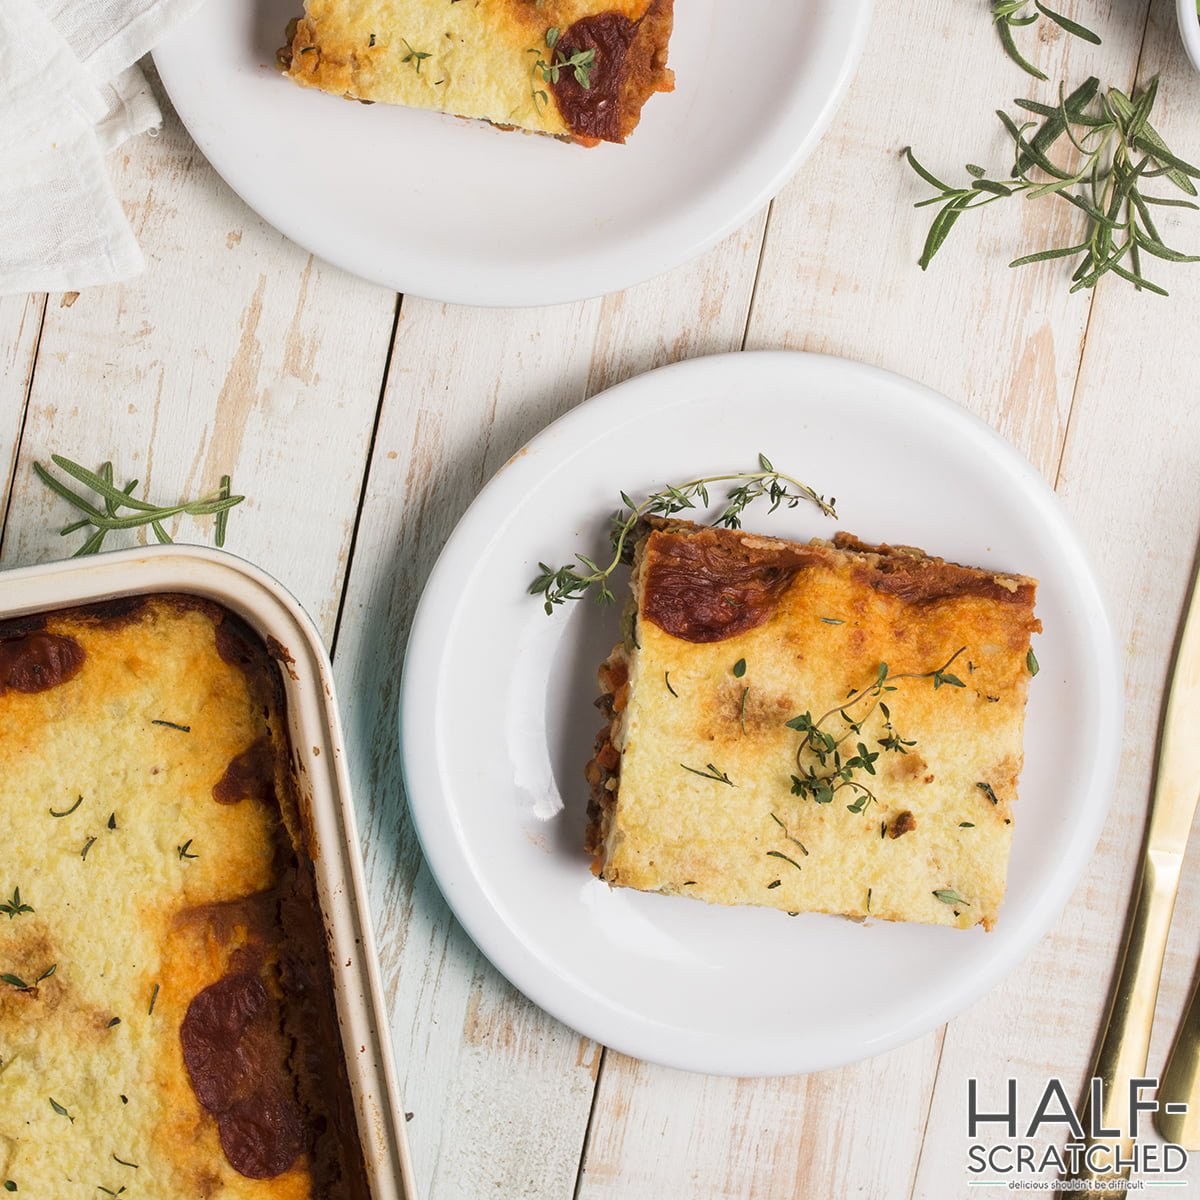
661,1133
839,275
20,323
839,267
1130,477
500,1092
235,352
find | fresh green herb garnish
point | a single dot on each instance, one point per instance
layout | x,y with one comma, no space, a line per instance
667,677
966,824
1010,14
68,811
739,668
838,620
108,1191
15,907
112,820
173,725
556,586
581,64
416,57
114,1022
62,1112
950,896
9,1186
184,851
106,517
126,1164
778,854
17,982
86,847
710,773
988,791
821,780
774,884
1031,662
1113,150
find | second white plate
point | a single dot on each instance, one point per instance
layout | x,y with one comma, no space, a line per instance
456,210
497,717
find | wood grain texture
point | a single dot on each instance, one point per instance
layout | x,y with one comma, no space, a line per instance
235,352
20,325
500,1092
1130,471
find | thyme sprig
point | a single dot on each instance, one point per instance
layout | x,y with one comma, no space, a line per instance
558,585
832,772
415,57
581,64
104,516
15,907
1113,150
1008,15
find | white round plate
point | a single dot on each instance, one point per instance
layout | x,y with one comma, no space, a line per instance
497,717
460,211
1189,29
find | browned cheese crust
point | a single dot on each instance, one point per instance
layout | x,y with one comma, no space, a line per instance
176,999
504,61
806,626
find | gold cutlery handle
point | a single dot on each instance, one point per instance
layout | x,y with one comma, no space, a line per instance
1125,1046
1181,1083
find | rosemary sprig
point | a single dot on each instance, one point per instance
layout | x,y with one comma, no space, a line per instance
1008,15
558,585
1113,150
830,773
104,515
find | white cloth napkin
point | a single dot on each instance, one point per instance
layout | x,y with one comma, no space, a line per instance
70,94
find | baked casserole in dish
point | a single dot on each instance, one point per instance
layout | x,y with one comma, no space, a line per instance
167,1021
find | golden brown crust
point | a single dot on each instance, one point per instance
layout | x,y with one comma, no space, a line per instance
693,780
155,900
485,61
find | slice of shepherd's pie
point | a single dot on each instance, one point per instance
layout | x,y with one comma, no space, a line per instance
575,69
831,727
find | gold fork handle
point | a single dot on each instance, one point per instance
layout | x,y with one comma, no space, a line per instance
1125,1046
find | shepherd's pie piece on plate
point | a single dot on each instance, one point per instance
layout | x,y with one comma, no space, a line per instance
825,727
575,69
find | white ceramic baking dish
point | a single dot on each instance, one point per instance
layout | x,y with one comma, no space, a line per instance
316,739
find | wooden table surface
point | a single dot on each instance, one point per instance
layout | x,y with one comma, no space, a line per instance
361,424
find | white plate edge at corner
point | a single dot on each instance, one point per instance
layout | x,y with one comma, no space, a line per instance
437,607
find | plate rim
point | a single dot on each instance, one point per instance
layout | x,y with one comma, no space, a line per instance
524,290
518,963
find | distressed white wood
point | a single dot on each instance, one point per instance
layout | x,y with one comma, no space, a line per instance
20,323
1131,478
500,1092
235,352
839,276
